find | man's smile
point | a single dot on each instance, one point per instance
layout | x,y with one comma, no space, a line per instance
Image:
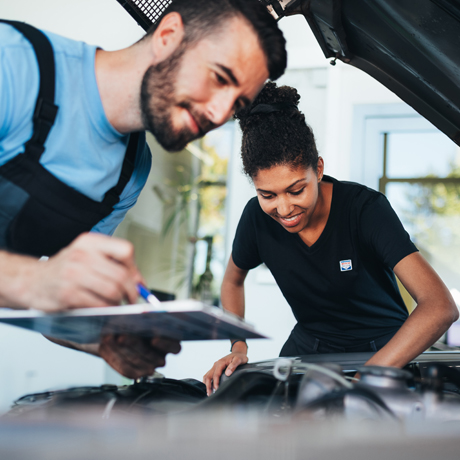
193,123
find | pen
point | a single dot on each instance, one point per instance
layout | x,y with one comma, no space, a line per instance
147,295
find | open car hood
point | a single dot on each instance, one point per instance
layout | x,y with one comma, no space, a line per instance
410,47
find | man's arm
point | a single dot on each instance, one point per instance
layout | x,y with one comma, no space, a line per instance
232,297
435,312
93,271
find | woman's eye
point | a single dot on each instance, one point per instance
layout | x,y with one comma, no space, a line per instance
298,192
266,197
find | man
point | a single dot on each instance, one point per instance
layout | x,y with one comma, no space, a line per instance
201,62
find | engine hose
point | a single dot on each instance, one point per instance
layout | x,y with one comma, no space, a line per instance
339,397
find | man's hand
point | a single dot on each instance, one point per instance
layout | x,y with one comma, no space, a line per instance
228,363
136,357
129,355
93,271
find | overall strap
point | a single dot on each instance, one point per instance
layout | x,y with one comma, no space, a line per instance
112,196
45,109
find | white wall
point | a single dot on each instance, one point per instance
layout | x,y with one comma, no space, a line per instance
98,22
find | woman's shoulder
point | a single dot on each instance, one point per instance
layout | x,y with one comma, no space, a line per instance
253,203
254,215
354,192
252,211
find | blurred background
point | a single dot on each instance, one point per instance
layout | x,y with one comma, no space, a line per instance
183,224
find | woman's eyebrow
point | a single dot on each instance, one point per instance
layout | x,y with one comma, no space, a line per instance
296,182
290,186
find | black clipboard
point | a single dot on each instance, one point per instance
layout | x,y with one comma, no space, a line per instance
179,320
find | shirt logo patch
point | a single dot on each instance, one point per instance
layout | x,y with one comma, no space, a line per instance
345,265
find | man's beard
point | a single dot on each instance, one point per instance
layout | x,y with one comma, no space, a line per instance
158,98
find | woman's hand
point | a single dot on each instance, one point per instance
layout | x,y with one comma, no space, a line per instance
228,363
232,297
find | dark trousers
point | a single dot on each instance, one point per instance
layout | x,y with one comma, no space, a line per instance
302,343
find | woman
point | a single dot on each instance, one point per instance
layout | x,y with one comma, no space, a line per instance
333,248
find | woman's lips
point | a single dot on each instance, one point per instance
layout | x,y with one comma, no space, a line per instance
291,221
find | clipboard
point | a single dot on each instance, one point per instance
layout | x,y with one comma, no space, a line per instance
179,320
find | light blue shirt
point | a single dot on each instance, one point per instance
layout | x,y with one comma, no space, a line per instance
83,150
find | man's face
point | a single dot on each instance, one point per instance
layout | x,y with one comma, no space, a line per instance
198,88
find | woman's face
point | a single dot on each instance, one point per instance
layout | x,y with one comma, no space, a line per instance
289,195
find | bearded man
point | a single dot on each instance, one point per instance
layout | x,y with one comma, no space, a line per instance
73,156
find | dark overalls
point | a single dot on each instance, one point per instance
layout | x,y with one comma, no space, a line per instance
39,214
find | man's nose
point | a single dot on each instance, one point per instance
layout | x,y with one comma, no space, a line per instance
221,107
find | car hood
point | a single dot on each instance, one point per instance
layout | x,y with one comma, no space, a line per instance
410,47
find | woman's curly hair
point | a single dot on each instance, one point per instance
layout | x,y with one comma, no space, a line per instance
281,137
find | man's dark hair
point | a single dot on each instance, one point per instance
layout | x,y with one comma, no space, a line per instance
203,17
275,132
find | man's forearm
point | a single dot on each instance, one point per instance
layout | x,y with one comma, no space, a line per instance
16,272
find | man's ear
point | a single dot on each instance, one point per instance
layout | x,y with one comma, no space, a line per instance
167,37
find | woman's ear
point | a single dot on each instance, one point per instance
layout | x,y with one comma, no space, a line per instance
320,169
167,37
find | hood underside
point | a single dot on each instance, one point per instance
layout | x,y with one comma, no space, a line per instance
411,47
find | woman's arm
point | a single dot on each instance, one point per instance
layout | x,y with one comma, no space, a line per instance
232,297
232,289
433,315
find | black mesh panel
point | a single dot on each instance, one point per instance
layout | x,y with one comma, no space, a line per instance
145,12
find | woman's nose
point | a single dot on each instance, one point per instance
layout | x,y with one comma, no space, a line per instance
284,207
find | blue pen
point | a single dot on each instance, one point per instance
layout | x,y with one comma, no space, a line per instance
147,295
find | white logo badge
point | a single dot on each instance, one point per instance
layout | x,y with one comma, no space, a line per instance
345,265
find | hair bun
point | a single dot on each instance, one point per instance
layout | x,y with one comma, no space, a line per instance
271,99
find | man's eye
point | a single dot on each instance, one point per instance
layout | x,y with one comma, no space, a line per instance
298,191
221,79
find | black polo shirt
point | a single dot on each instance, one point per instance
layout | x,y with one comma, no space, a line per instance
342,289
